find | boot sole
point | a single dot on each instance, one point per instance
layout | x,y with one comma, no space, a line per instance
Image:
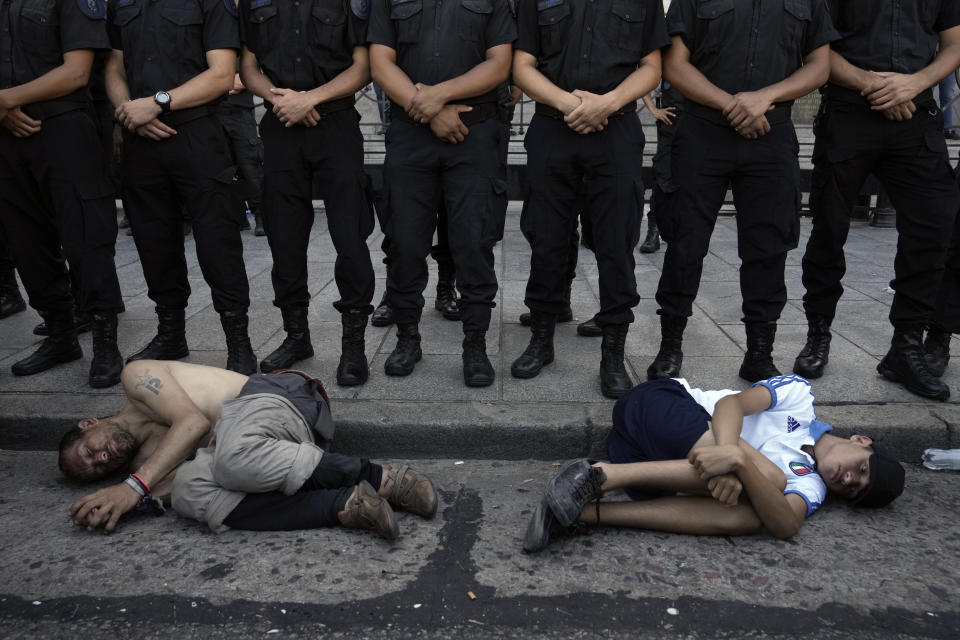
612,393
14,310
588,331
895,376
537,536
478,382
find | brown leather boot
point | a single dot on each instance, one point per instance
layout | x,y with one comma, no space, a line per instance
366,510
408,490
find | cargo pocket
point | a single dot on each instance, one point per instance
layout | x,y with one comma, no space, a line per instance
406,15
472,18
553,23
329,26
99,215
40,30
188,39
717,16
628,25
367,213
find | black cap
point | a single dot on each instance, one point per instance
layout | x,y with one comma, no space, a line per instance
886,481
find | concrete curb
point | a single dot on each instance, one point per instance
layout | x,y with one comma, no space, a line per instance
507,431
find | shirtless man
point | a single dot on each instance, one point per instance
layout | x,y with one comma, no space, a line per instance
233,452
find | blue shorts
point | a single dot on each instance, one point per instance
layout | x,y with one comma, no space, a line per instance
656,420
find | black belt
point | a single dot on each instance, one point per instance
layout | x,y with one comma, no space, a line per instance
479,113
549,112
51,108
780,113
325,108
180,116
837,93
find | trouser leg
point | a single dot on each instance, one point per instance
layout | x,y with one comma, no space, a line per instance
411,176
702,162
474,192
766,191
550,212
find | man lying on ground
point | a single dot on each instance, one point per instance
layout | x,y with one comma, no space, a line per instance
232,451
761,460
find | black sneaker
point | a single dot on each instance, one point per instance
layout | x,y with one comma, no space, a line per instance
577,484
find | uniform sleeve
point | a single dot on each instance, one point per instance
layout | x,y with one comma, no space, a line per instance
528,34
948,17
655,28
681,19
789,393
501,27
221,29
358,17
808,486
83,29
821,30
381,29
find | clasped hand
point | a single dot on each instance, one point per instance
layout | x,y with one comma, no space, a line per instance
103,508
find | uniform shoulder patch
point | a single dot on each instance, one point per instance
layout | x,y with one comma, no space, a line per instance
231,6
801,469
94,9
360,8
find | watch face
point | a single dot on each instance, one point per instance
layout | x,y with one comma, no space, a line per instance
162,97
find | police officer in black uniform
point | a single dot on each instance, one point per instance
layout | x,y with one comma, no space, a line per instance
585,64
946,319
54,190
667,110
307,60
878,116
739,64
172,62
440,64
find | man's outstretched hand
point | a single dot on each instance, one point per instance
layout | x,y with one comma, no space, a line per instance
104,508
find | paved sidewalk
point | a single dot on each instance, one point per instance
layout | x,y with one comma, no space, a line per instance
560,413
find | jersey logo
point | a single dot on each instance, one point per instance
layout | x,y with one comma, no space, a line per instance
801,469
360,8
94,9
792,424
231,7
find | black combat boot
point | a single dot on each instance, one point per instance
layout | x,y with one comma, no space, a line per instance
383,314
170,343
589,328
904,363
936,351
477,370
539,352
447,302
614,380
815,354
758,360
60,346
407,353
11,301
240,356
107,362
353,369
670,357
296,346
651,244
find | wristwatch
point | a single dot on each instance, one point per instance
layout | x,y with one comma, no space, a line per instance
162,98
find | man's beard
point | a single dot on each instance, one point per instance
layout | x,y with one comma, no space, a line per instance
125,445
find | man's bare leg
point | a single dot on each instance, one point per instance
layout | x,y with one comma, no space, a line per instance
693,515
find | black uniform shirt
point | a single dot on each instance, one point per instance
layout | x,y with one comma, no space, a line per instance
892,35
745,45
436,41
590,45
34,35
164,42
302,44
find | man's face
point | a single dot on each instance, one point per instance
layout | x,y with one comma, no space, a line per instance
103,448
845,468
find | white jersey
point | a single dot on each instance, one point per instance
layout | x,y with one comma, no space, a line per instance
780,432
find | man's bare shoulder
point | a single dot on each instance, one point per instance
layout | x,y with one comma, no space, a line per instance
207,387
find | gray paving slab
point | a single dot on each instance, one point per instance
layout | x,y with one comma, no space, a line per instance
888,573
34,411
